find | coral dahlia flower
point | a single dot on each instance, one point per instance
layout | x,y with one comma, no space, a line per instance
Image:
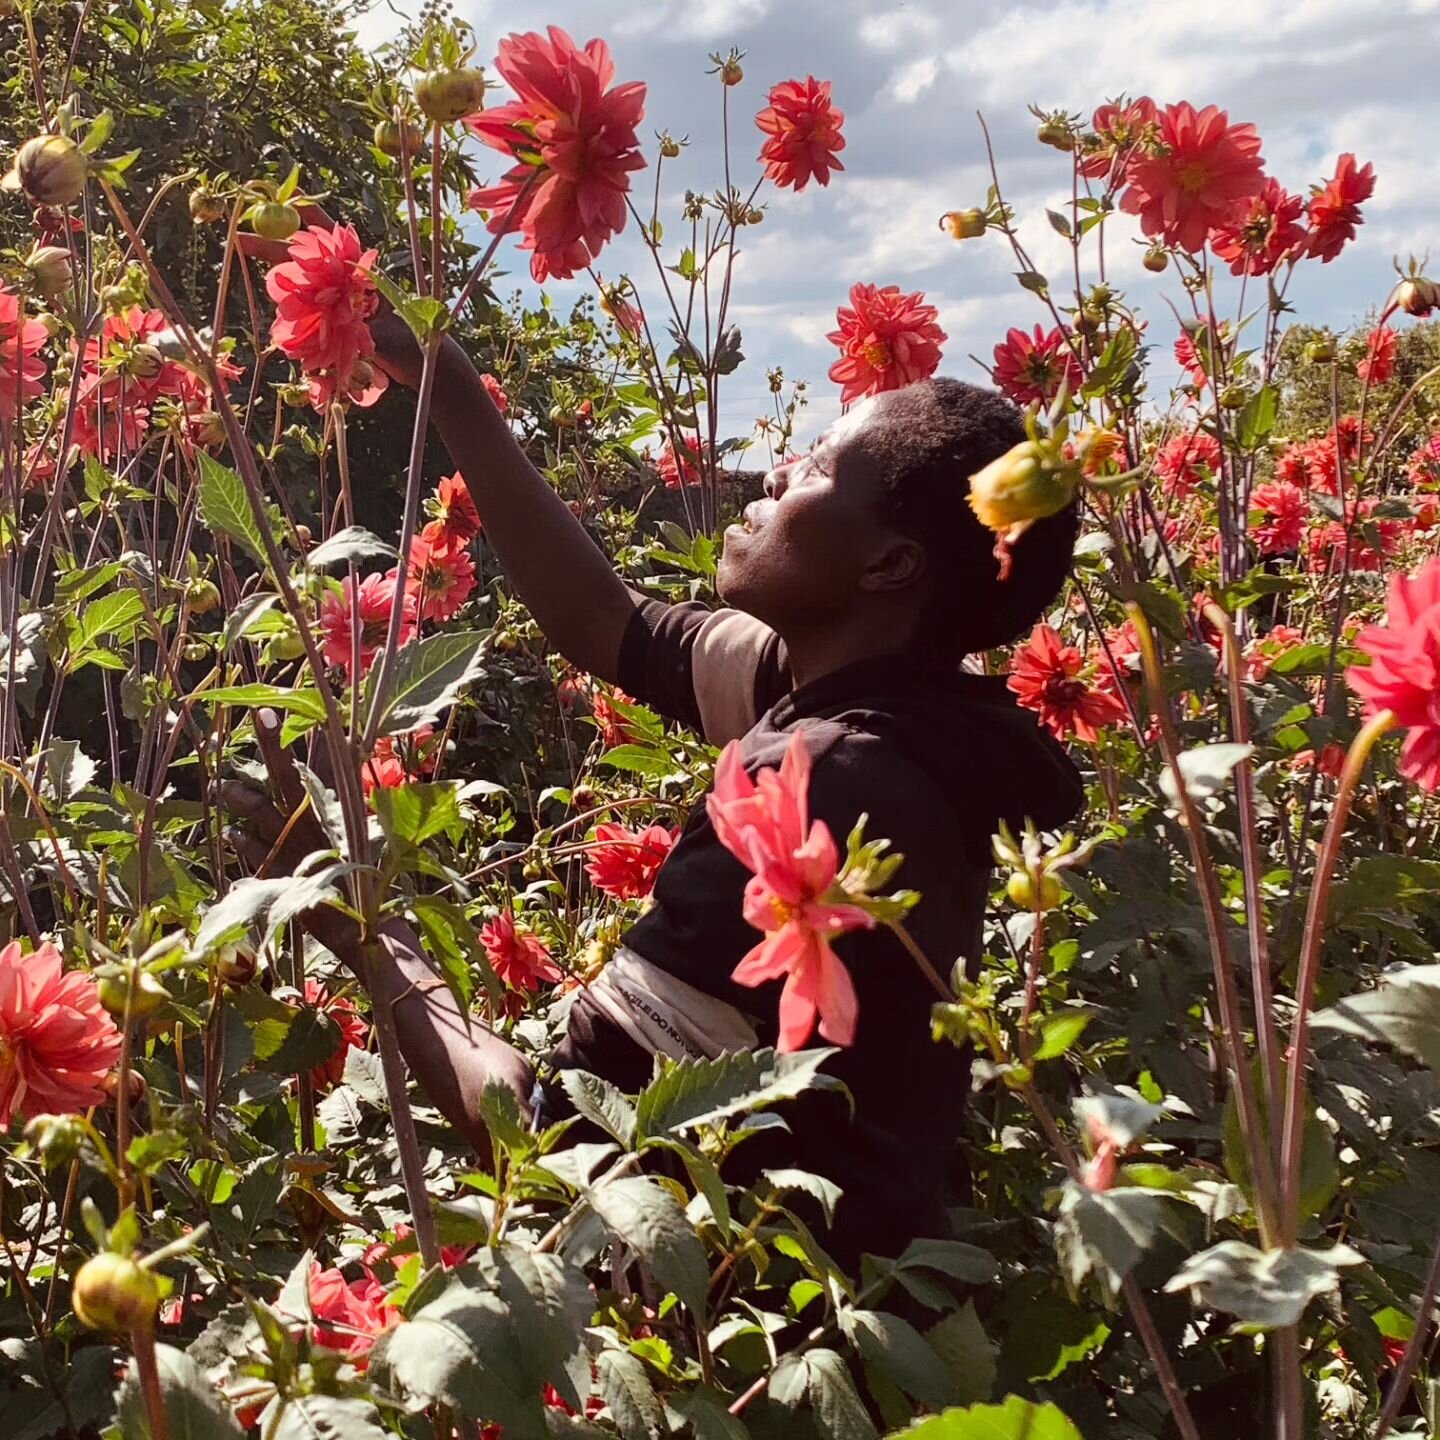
792,894
56,1041
1183,461
804,133
1263,233
21,371
1199,174
1334,209
1278,511
1381,347
1030,368
324,298
1117,128
457,521
350,1315
520,959
624,862
1044,678
573,140
682,469
440,576
1404,670
353,1034
390,767
372,598
496,391
886,339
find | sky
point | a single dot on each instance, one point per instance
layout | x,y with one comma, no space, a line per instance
1317,77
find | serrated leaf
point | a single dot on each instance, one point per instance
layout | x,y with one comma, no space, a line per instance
602,1104
627,1390
288,1039
1013,1419
899,1352
253,909
646,1216
324,1417
419,810
304,701
225,509
1105,1233
1263,1289
950,1257
1257,419
353,544
430,675
194,1408
838,1411
967,1352
1060,1031
1404,1012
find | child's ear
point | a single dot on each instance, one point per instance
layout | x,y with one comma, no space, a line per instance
896,565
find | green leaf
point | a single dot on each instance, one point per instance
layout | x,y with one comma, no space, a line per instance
353,544
646,1216
453,942
1059,1031
602,1104
950,1257
708,1417
250,611
288,1039
1263,1289
1058,223
424,314
654,761
419,810
254,909
627,1390
1256,421
304,701
1205,770
967,1352
1125,1118
1013,1419
324,1417
1033,281
702,1092
1105,1233
896,1349
838,1411
429,677
194,1408
225,509
1403,1012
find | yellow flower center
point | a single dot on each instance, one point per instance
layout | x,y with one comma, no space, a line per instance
1193,178
877,355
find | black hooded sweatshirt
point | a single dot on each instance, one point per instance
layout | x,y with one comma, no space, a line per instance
935,758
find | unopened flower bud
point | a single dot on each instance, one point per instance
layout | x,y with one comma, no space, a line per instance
395,139
119,996
1023,891
50,271
1025,484
669,146
1417,296
1233,397
446,95
1056,133
303,538
50,169
731,73
1320,351
203,595
964,224
208,429
1156,259
145,362
114,1294
754,216
235,965
272,220
56,1137
206,207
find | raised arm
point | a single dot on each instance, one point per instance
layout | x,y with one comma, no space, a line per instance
564,578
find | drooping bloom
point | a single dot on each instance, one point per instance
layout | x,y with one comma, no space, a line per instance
21,369
1044,677
1030,368
573,140
1381,345
324,297
457,521
353,1034
1184,460
1277,516
372,598
791,895
350,1315
441,577
1263,233
682,469
1404,670
56,1041
1116,129
624,862
1196,178
803,130
1334,209
520,959
886,339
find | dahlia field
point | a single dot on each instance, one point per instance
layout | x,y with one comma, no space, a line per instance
1192,1199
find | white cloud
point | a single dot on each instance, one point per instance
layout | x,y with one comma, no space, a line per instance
691,19
895,29
911,81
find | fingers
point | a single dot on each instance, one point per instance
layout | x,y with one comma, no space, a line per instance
284,778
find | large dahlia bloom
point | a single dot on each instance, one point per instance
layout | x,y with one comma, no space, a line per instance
1199,175
21,371
1032,367
1045,678
803,130
1334,209
887,340
574,143
1263,233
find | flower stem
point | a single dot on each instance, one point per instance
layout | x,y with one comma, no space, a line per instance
1405,1371
142,1341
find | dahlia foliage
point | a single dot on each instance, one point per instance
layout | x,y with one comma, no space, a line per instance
270,711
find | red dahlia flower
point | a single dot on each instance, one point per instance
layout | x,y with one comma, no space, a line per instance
1263,233
21,373
353,1034
324,297
1425,462
677,470
440,576
1381,346
573,133
1030,368
496,391
1183,461
457,521
791,896
520,959
613,727
373,598
1370,540
350,1315
390,766
1334,209
56,1041
1043,677
1202,171
804,133
1404,670
887,340
1117,129
624,862
1277,516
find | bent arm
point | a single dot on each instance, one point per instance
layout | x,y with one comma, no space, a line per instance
564,578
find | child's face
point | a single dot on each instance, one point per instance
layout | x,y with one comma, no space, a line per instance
800,556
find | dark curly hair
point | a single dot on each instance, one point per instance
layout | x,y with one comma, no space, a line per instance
932,437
